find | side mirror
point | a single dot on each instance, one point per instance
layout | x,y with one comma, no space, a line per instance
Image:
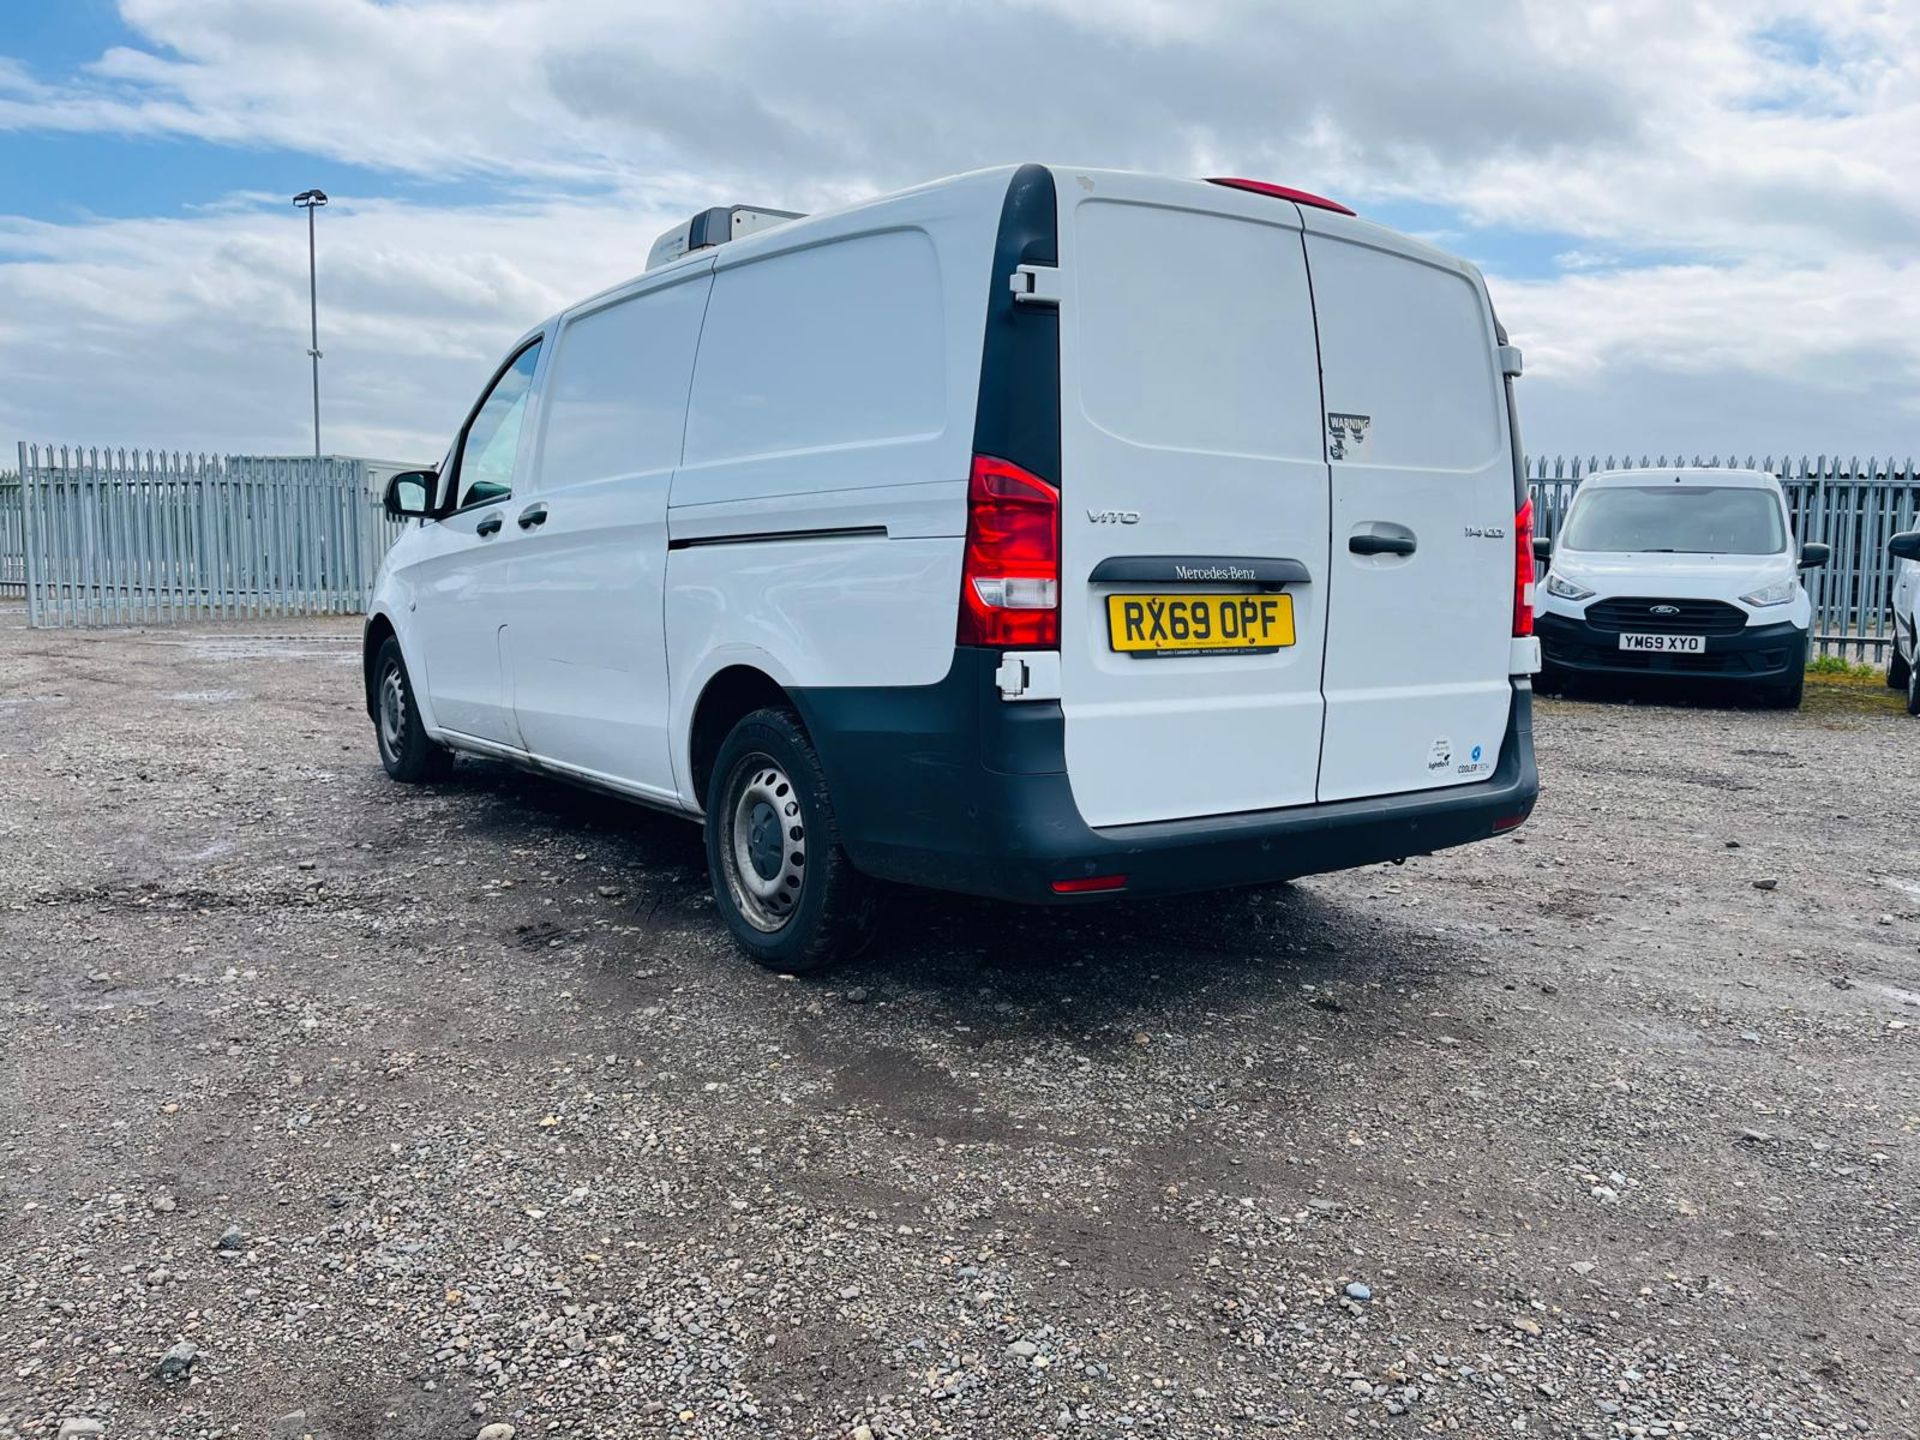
1813,555
1905,545
1542,548
410,494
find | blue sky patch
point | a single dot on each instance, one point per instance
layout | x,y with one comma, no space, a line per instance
1509,252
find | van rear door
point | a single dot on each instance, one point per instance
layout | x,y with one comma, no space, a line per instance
1195,500
1420,589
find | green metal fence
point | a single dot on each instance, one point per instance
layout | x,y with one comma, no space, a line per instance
113,537
13,538
96,537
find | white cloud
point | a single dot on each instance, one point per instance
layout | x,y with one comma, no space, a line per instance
1735,178
193,332
1759,354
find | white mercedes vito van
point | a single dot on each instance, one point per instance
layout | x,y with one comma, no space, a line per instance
1684,572
1040,533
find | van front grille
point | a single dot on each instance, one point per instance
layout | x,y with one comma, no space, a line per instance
1653,616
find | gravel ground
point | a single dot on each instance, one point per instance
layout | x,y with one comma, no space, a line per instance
332,1107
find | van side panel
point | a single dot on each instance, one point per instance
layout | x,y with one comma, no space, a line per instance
816,524
587,658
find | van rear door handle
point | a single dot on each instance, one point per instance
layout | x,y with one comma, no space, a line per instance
489,526
533,515
1382,544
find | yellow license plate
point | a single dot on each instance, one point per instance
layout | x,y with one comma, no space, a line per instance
1199,624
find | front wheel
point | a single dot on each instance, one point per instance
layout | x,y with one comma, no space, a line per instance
1898,670
406,752
1789,695
1913,690
780,876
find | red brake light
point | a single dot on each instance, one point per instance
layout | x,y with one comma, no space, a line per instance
1523,569
1280,192
1010,577
1090,885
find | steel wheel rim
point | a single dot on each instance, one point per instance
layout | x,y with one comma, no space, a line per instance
764,844
393,709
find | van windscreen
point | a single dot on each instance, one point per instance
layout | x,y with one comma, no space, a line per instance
1676,520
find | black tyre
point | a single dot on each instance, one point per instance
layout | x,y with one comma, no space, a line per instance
780,876
1898,670
1549,679
405,751
1913,690
1789,695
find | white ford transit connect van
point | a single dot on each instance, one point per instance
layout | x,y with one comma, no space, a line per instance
1040,533
1683,572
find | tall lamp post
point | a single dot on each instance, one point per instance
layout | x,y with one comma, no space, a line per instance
310,201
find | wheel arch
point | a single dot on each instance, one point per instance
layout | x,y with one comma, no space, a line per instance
379,630
729,695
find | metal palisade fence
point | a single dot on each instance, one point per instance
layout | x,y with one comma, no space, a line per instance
96,537
113,537
13,538
1853,506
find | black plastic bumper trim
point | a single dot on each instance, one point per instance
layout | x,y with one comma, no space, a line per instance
1759,653
948,786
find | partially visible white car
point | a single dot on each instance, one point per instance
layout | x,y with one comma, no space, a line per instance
1682,572
1903,665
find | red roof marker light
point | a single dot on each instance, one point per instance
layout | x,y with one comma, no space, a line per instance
1280,192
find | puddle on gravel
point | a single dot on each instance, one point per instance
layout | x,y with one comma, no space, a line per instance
211,852
207,697
339,649
1906,887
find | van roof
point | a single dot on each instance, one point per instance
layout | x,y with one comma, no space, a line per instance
1726,479
826,222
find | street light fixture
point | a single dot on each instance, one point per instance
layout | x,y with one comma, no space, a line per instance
310,201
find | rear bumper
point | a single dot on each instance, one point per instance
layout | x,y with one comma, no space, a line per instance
947,786
1759,654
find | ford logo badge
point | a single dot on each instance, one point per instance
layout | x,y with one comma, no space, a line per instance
1663,609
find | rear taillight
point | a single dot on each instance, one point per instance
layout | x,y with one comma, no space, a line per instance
1523,570
1010,578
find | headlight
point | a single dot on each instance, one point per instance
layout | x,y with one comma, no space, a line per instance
1564,589
1778,593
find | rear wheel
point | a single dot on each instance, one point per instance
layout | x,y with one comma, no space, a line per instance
781,878
1898,670
405,749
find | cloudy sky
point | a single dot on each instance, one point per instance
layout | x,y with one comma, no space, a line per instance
1701,222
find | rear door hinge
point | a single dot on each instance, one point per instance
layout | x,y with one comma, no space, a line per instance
1036,284
1029,675
1510,360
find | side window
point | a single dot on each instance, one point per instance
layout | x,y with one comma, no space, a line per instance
614,402
835,345
493,436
